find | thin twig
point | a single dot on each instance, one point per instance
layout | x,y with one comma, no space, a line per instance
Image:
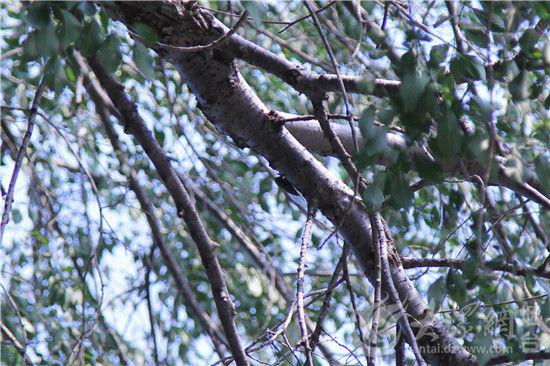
323,312
399,347
402,318
300,284
336,71
6,332
199,48
453,18
518,270
373,339
148,264
289,46
18,161
345,275
404,11
290,24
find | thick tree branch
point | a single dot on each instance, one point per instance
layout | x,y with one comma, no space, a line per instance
303,80
135,124
104,108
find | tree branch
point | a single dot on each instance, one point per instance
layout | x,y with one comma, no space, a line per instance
540,355
409,263
300,285
135,124
19,159
103,107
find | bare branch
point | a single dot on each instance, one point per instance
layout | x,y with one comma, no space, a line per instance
323,312
147,261
135,124
200,48
300,285
540,355
409,262
377,283
341,85
6,332
19,159
402,318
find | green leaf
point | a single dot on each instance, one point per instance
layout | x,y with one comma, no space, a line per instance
91,39
144,61
470,268
377,34
109,53
386,116
375,143
545,310
70,73
42,43
449,136
373,196
401,195
542,168
438,54
436,293
476,35
412,88
480,110
513,165
441,18
88,8
528,39
467,68
409,62
54,74
30,46
520,86
456,286
491,19
367,120
159,135
482,344
39,15
16,215
366,84
427,169
149,34
505,293
71,28
256,9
